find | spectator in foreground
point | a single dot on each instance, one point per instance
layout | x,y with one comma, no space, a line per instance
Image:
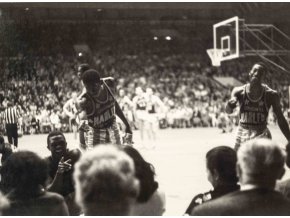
284,186
105,182
5,149
260,164
150,201
60,168
4,204
24,175
221,173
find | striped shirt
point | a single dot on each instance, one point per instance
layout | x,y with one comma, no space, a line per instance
10,115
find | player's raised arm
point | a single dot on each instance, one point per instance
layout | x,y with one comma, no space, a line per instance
282,122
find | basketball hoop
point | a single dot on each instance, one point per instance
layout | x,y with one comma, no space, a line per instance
215,56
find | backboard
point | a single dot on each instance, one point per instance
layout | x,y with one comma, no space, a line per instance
226,38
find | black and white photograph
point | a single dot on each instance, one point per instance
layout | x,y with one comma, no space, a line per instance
145,108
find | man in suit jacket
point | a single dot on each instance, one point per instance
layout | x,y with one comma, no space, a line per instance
260,164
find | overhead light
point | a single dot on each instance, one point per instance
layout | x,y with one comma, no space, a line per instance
168,38
99,9
155,38
80,54
26,9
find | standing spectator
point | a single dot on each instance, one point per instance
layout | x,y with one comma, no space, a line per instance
60,167
260,164
24,176
11,115
105,182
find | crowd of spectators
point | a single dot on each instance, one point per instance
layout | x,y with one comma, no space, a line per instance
113,181
185,82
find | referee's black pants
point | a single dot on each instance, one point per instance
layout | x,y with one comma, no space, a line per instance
11,131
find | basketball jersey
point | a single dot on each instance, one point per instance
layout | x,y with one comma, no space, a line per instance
100,114
123,102
141,103
253,112
151,108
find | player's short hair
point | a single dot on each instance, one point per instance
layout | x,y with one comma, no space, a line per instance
263,66
91,76
82,68
223,159
54,133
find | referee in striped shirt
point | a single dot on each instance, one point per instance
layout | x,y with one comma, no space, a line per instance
10,116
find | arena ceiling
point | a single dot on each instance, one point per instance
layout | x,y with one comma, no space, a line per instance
145,11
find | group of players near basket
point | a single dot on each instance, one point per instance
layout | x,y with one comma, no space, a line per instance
100,114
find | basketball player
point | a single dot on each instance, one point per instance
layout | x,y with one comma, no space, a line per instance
126,106
140,112
101,108
71,111
255,100
154,107
82,68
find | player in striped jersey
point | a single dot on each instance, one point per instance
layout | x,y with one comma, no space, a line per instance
10,116
255,100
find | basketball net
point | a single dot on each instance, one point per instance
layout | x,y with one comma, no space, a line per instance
215,56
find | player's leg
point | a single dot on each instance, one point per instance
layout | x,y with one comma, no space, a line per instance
15,135
9,133
114,133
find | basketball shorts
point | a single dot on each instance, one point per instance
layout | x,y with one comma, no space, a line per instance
152,122
244,135
141,115
109,135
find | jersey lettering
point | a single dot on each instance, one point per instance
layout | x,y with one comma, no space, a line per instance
253,113
141,103
103,114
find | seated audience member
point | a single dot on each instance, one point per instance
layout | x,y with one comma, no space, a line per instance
284,186
150,201
105,182
221,173
60,168
260,164
4,204
23,181
5,149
